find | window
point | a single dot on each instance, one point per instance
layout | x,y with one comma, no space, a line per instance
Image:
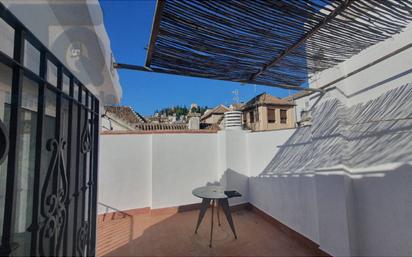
52,73
271,115
251,117
7,38
31,57
283,116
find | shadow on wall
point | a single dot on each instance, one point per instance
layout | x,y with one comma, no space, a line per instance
374,139
378,209
312,147
233,180
380,130
371,133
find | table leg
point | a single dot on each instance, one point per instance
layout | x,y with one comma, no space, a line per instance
211,228
218,216
203,209
226,210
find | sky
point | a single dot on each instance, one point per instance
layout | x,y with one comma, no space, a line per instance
128,23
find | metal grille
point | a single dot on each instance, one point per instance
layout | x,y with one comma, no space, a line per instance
63,181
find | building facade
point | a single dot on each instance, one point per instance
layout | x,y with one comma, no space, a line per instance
266,112
214,116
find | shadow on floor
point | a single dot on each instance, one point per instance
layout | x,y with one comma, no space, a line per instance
173,235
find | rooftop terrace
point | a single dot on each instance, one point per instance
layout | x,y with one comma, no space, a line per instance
340,185
170,233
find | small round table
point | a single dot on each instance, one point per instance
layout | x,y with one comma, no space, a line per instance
214,195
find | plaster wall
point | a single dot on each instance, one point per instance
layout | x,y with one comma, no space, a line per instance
180,163
156,170
235,171
378,135
287,196
125,172
53,24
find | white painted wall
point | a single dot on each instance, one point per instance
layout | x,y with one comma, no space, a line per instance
125,171
381,197
288,197
161,170
158,170
236,171
263,146
180,163
62,26
364,205
382,211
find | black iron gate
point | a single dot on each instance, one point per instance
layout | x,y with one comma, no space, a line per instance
49,126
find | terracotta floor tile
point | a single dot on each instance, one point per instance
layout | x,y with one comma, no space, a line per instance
173,235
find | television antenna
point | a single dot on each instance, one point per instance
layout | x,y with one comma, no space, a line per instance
235,96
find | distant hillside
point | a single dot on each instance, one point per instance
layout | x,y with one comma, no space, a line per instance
180,110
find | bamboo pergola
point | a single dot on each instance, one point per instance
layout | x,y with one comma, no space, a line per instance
277,43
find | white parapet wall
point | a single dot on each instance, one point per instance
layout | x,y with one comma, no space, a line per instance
161,170
125,175
180,163
275,187
157,170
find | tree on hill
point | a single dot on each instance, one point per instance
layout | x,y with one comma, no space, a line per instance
180,110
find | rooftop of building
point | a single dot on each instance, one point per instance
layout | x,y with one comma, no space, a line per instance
125,113
266,99
220,109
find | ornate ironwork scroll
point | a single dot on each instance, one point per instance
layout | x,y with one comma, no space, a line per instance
82,238
83,231
53,201
4,142
86,139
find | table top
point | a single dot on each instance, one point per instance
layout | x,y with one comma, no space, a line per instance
210,192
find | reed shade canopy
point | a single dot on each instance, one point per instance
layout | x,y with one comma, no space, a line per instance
268,42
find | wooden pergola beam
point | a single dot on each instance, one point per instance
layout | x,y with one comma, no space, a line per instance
338,10
155,29
147,69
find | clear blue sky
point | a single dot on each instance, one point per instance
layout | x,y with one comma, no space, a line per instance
128,23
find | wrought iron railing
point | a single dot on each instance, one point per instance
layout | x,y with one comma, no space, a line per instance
61,201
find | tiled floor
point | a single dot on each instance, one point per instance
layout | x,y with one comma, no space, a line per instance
173,235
